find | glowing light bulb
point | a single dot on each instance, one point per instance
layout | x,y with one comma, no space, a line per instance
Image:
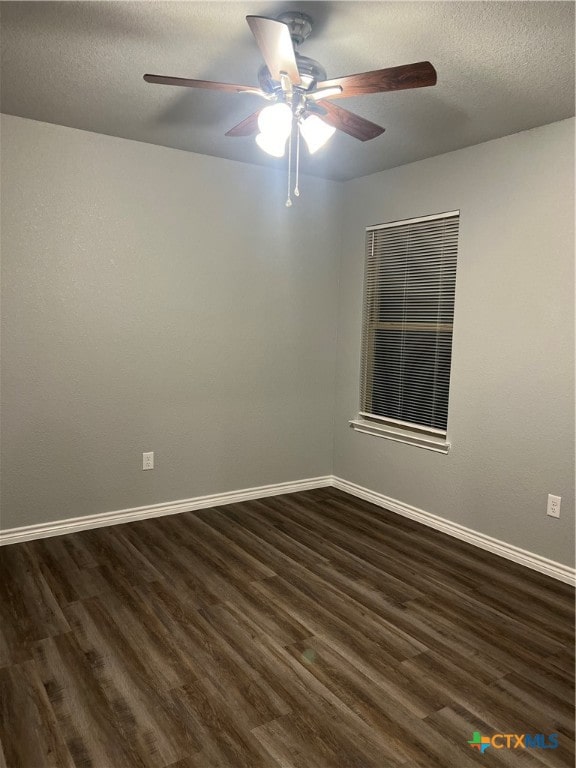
315,132
276,120
273,145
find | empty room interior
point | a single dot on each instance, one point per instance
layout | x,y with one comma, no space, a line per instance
288,397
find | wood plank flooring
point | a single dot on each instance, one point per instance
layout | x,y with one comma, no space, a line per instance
310,630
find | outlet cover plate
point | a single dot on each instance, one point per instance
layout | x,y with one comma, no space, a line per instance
553,508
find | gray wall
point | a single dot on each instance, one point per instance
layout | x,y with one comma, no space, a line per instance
511,415
157,300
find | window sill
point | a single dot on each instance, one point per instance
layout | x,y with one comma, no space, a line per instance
428,442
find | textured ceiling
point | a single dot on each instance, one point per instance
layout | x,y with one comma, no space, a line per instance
502,67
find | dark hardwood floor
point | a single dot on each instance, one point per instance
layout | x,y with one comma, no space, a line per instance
310,630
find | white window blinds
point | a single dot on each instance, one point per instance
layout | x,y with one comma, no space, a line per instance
409,288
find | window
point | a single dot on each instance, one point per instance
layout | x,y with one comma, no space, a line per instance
409,288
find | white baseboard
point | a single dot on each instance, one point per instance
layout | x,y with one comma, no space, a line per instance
73,524
509,551
537,563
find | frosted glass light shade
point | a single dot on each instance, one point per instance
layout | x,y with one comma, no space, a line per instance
315,132
273,145
276,120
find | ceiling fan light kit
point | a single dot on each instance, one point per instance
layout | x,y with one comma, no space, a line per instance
300,93
276,126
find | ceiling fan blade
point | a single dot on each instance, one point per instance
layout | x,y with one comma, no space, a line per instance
417,75
324,93
275,43
349,122
187,83
247,127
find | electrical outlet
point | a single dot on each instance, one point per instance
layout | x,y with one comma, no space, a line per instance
148,460
553,508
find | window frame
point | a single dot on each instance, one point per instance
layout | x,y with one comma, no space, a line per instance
423,436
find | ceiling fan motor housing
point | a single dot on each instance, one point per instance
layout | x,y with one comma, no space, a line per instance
311,72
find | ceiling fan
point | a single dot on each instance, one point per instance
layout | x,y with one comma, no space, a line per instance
299,92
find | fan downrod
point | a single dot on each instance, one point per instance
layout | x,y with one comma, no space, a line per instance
299,24
310,70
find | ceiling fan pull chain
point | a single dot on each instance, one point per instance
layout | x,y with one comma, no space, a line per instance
296,189
289,199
